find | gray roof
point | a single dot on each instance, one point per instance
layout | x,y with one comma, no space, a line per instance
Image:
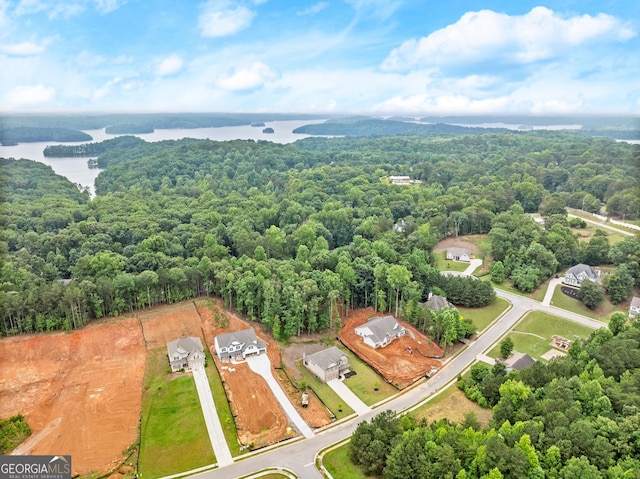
437,302
244,336
582,268
382,326
635,302
458,251
327,357
519,361
186,345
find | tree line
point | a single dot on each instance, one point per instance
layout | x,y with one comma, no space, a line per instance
287,234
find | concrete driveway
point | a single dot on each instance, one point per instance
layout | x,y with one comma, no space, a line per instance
262,365
218,442
550,289
347,396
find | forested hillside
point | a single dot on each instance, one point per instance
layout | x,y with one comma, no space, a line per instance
287,233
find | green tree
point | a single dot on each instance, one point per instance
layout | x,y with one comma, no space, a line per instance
590,294
497,272
506,347
398,276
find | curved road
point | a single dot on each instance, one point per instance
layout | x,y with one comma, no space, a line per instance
299,456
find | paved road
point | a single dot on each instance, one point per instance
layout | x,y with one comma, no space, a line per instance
602,224
299,456
261,365
550,290
218,442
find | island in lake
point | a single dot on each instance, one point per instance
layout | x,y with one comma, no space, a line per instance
268,130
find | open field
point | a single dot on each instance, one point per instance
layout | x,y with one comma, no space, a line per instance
174,434
80,392
395,362
482,317
533,335
453,405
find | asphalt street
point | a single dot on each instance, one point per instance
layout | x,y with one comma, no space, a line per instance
299,456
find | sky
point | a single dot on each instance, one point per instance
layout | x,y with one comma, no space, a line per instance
381,57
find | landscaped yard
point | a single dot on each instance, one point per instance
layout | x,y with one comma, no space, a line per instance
444,264
174,436
561,300
366,380
482,317
339,465
533,335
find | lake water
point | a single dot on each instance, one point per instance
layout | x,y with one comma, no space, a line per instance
78,172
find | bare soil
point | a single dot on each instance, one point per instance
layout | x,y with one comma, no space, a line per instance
80,392
402,362
260,419
459,242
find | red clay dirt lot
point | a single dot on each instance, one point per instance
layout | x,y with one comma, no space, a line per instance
80,392
394,362
259,417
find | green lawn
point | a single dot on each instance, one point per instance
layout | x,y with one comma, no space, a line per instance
327,395
539,328
453,405
174,436
585,234
562,301
222,406
444,264
363,384
339,465
482,317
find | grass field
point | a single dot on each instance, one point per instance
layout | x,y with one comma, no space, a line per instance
365,381
327,395
533,334
444,264
482,317
174,436
222,406
585,234
339,465
453,405
561,300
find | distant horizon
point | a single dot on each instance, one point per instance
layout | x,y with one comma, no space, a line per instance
320,57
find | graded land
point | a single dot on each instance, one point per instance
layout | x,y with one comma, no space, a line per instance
402,362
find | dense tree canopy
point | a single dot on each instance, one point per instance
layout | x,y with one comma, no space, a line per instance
295,235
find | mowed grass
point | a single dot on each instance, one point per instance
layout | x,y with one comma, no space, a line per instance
562,301
533,335
365,381
327,395
339,465
222,406
444,264
483,317
174,436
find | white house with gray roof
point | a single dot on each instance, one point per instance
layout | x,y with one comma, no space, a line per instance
577,274
380,331
437,302
459,254
185,353
237,345
327,364
634,307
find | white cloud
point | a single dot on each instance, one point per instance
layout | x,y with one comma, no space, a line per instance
443,104
381,9
219,19
100,92
313,9
30,95
169,66
106,6
246,78
538,35
23,49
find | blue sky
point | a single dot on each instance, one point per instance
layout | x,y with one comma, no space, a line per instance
328,56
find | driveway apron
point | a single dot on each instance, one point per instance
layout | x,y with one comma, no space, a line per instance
262,365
